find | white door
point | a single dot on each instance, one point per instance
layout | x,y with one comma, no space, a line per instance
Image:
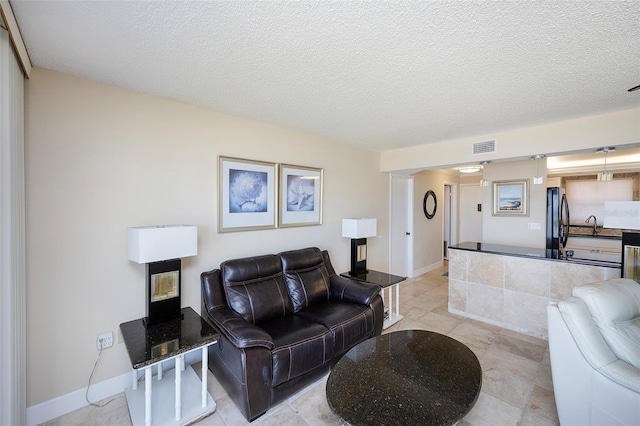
446,225
401,225
471,213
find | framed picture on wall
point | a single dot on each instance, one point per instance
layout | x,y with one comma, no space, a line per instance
511,198
247,195
300,196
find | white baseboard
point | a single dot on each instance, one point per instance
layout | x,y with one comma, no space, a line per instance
428,268
56,407
64,404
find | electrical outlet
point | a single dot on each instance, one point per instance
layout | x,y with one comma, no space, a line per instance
105,340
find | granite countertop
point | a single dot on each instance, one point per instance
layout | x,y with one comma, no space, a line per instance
405,377
148,344
529,252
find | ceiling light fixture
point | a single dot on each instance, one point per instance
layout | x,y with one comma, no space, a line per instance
469,169
537,179
605,175
484,182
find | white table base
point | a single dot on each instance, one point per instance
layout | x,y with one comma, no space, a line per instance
394,314
163,404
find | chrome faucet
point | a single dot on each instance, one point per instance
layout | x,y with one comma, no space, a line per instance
595,224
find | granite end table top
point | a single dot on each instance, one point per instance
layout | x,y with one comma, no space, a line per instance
149,344
405,377
381,279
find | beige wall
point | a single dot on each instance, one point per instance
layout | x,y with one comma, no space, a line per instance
514,231
427,241
100,159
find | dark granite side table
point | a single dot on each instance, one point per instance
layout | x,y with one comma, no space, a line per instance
388,282
181,397
403,378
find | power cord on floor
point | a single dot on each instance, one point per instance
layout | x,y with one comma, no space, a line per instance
86,394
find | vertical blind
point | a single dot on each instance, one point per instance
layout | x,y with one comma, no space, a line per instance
12,239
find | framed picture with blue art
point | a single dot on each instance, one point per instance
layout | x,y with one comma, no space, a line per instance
511,197
247,195
300,196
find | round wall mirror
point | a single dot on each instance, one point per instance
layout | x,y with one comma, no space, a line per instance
430,204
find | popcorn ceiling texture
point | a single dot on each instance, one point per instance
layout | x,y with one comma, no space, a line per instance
380,75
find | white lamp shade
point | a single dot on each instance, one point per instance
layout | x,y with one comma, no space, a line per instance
622,214
155,243
359,227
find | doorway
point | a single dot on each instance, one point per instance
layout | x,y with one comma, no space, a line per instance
401,225
449,222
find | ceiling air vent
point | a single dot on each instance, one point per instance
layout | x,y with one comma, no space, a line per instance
484,147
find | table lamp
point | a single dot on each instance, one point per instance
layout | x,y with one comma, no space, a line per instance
358,229
160,248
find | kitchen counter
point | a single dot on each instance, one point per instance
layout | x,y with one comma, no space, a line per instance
512,286
531,252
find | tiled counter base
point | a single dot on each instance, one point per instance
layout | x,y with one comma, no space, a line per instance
514,292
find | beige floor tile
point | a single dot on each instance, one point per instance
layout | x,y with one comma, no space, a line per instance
444,323
543,378
506,387
281,415
491,411
530,419
414,313
543,404
509,363
522,347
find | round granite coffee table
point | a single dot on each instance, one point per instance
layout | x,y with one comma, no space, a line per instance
403,378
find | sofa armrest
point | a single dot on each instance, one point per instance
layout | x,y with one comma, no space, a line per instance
353,291
241,333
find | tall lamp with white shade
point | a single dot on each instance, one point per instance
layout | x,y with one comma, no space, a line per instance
161,248
359,229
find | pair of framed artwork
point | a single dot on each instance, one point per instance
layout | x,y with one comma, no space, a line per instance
256,195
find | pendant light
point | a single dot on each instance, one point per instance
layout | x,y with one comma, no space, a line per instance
537,179
484,182
605,175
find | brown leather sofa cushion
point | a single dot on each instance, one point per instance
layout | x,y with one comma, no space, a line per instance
300,346
349,323
255,289
306,277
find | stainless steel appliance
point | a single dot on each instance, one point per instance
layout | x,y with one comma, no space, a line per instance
631,255
557,222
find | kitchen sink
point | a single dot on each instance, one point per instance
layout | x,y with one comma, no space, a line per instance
597,256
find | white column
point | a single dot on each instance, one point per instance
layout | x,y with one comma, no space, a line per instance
178,386
397,286
205,367
160,370
147,395
134,379
12,237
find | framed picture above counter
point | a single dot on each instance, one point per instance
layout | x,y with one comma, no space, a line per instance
511,197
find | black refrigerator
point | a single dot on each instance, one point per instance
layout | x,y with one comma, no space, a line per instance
557,222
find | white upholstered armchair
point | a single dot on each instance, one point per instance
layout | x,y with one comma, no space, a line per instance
594,344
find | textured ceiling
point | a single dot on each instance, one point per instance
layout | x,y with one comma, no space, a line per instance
379,75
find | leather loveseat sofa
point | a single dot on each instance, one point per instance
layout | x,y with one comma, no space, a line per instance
594,345
284,321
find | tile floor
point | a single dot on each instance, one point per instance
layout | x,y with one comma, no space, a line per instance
516,383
